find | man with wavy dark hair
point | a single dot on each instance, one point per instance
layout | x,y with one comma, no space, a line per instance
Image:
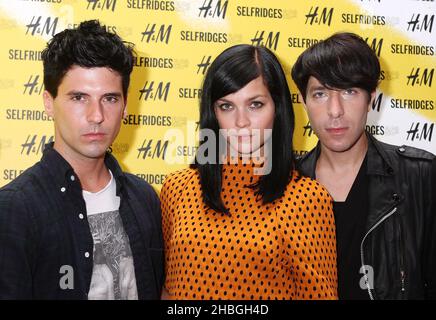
385,226
75,226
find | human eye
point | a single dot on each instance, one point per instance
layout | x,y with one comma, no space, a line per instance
318,94
256,104
77,97
224,106
350,91
111,99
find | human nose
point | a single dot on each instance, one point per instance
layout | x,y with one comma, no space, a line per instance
335,107
242,119
95,112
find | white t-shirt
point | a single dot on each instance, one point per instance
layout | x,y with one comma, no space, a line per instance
113,275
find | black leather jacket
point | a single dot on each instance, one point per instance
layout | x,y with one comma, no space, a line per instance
400,242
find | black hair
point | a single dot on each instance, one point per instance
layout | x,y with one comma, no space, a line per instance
234,68
344,60
88,46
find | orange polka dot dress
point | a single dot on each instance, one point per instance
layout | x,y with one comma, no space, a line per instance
282,250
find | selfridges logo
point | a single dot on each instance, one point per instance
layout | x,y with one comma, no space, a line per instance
213,9
157,34
420,23
317,16
34,144
266,39
40,26
420,77
153,91
376,130
420,132
163,5
108,5
33,86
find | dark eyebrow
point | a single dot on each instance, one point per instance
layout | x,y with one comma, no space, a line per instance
318,87
77,93
219,101
257,96
80,93
112,94
251,98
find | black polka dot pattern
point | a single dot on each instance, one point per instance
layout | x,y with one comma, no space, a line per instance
283,250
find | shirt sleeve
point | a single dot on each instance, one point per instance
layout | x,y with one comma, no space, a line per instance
310,244
17,246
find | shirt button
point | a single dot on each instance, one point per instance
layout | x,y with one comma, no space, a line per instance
86,254
401,149
63,189
73,178
80,216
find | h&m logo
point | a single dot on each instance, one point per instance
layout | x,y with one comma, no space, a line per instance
307,128
204,64
325,17
271,39
102,4
160,93
376,104
32,86
34,144
419,133
416,25
163,35
424,79
217,11
38,26
153,150
375,45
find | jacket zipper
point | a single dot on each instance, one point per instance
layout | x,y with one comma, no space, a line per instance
402,272
361,248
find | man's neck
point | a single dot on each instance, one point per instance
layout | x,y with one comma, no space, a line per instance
92,172
338,170
341,161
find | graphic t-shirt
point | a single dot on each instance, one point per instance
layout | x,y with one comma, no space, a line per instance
113,275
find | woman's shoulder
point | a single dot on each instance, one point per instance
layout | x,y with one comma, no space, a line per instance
308,186
180,178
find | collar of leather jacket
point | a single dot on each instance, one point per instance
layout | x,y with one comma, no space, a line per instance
378,160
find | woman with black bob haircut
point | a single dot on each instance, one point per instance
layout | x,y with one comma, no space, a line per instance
231,71
230,233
